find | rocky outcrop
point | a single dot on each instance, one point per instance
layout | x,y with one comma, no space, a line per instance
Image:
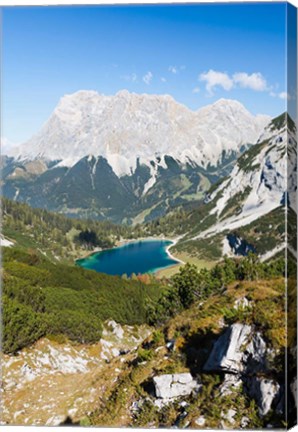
171,386
255,355
40,384
229,417
238,350
244,422
264,391
242,303
242,354
227,352
115,328
200,421
231,383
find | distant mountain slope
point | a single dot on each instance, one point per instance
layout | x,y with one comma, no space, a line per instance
246,211
258,182
129,158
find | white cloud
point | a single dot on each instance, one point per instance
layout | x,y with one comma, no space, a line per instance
196,90
281,95
284,95
254,81
134,77
147,78
216,79
163,79
173,69
130,77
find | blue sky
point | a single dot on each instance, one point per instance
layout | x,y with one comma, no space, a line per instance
196,53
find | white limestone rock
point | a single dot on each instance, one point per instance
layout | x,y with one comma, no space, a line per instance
238,350
242,303
56,420
231,383
200,421
244,422
230,416
264,391
5,242
227,352
254,356
171,386
117,330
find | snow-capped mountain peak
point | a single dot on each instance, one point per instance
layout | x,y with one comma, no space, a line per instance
128,127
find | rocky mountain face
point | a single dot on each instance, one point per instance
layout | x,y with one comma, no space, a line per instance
129,127
258,182
249,204
127,157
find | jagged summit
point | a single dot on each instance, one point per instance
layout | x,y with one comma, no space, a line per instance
259,181
127,127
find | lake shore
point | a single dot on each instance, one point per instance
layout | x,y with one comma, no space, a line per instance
124,242
180,257
87,254
174,241
183,258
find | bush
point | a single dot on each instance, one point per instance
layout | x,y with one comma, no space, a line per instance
188,284
77,326
158,338
67,300
144,355
21,325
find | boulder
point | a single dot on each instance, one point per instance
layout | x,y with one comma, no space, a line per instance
264,391
172,386
244,422
117,330
230,384
230,415
254,356
227,352
171,345
242,303
200,421
238,351
227,417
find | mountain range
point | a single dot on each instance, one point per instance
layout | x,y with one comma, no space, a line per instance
129,157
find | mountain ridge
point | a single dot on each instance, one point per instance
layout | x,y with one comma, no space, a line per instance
245,210
128,127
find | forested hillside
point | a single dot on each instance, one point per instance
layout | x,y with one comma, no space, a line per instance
57,236
42,298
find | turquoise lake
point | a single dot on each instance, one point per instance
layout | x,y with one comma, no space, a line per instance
144,256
